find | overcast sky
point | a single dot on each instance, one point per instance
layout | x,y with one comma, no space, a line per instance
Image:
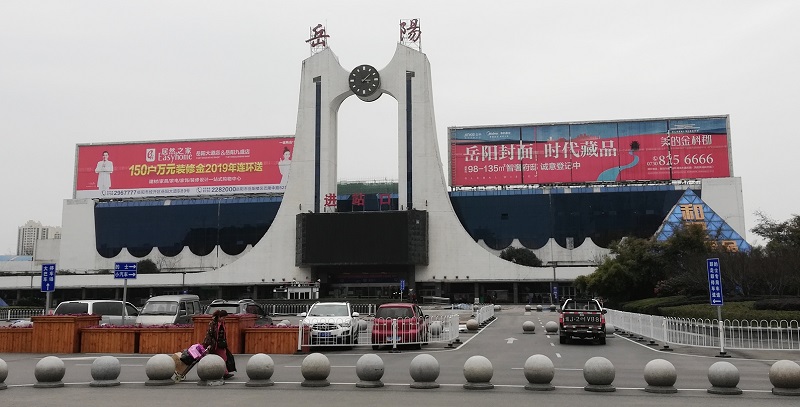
113,71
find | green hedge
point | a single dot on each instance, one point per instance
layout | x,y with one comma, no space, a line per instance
731,310
652,306
778,304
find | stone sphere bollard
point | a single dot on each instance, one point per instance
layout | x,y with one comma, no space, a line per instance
785,377
723,377
538,308
497,307
210,370
424,371
528,327
609,329
599,373
528,308
472,325
49,371
260,368
3,374
552,308
539,371
478,371
315,369
660,376
284,323
159,370
551,327
435,328
105,372
369,369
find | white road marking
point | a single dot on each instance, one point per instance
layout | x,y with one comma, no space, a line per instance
558,355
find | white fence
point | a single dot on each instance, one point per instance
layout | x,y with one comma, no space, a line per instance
484,313
381,333
11,313
752,334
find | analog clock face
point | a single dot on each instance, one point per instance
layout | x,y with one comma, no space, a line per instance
364,80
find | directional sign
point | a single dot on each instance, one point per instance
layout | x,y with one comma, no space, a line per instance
714,282
125,270
402,285
48,278
555,291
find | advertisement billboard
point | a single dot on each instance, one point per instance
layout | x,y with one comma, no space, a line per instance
591,152
183,168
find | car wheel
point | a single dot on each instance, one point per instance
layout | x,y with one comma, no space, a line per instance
562,339
376,347
602,340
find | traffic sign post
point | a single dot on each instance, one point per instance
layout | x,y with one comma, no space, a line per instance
48,284
402,288
715,298
125,271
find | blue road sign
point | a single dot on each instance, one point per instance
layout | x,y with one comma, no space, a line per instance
714,282
555,291
48,278
402,285
125,270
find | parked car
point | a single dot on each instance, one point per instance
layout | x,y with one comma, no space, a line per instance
411,325
112,312
582,318
247,306
169,309
331,323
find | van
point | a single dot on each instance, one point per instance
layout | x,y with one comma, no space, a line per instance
112,312
169,309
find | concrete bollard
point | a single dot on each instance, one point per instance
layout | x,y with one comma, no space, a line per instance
424,371
539,371
552,308
528,308
315,369
497,307
49,371
538,308
210,370
528,327
478,371
369,369
660,376
724,377
785,377
159,370
260,368
551,327
599,373
3,374
472,325
609,329
105,372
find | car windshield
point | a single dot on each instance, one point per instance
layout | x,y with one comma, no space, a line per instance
581,305
394,312
66,308
328,310
160,308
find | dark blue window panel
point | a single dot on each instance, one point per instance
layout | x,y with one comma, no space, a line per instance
200,224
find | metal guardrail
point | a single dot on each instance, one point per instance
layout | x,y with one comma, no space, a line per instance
737,334
391,334
11,313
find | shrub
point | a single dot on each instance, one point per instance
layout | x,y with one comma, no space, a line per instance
778,304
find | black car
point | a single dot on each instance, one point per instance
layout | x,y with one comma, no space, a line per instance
241,307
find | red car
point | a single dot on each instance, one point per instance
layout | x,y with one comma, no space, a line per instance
411,325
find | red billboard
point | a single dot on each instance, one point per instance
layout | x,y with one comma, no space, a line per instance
183,168
591,152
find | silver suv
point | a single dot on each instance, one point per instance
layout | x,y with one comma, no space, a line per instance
331,323
112,312
247,306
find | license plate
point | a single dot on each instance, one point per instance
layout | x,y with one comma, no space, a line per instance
390,339
324,334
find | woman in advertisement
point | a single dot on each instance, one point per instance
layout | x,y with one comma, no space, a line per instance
283,165
104,169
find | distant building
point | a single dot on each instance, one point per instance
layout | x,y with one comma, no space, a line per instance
28,234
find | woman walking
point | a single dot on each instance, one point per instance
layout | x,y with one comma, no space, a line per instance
216,342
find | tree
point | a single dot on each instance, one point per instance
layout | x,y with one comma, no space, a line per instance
521,256
146,266
780,234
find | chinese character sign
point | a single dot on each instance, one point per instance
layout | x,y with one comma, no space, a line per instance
183,168
48,277
714,281
318,38
411,33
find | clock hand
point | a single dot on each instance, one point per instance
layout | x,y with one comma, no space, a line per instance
367,77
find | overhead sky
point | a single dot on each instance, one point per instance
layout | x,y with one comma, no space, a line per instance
74,72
